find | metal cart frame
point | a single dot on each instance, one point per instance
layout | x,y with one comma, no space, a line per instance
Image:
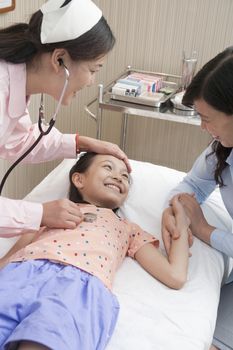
126,109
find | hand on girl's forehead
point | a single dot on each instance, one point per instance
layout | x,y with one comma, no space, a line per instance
114,160
118,164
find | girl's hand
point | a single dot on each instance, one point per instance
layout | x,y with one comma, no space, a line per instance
182,220
103,147
1,263
169,229
61,214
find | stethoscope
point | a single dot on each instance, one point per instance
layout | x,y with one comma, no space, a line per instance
44,127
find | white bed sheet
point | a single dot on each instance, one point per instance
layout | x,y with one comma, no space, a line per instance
152,316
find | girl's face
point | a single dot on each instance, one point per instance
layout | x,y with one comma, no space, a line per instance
81,75
218,124
105,183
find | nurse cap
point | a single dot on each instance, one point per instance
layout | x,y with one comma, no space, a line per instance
68,22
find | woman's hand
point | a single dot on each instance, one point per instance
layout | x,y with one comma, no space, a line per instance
102,147
181,218
171,223
199,226
61,214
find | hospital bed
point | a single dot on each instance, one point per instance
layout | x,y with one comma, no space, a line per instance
153,316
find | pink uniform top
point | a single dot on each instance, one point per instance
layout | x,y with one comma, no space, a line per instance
98,247
17,134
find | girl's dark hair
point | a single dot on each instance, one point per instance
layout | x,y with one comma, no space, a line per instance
214,84
81,166
20,43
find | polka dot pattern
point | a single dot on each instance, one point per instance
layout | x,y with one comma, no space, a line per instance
97,247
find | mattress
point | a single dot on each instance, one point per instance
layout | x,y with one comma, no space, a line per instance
153,316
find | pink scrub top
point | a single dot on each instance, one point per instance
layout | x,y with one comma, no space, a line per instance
17,134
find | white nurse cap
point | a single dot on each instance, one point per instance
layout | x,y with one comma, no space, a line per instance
67,22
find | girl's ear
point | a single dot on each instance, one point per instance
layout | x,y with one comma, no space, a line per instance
78,180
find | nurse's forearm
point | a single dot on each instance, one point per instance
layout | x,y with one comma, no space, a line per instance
54,146
18,217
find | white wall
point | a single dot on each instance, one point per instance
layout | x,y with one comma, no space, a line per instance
151,35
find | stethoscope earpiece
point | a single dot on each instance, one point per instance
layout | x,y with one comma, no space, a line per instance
60,61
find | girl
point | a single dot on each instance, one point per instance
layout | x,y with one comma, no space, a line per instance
55,293
63,36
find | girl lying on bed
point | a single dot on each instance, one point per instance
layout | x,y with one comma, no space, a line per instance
55,290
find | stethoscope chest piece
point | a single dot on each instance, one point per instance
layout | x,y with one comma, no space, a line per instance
89,217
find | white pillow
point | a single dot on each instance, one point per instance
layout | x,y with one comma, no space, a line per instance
149,192
55,185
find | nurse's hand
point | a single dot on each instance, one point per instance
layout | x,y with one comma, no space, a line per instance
61,213
103,147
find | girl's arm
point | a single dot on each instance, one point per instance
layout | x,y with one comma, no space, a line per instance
22,242
171,270
199,181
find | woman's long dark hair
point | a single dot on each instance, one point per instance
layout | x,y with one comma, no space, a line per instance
81,166
20,43
214,84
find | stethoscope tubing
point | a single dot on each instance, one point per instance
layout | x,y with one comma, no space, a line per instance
41,120
42,131
18,161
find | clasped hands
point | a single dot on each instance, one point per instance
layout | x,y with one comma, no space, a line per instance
199,227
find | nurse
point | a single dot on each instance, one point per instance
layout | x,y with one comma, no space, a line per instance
211,92
64,38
